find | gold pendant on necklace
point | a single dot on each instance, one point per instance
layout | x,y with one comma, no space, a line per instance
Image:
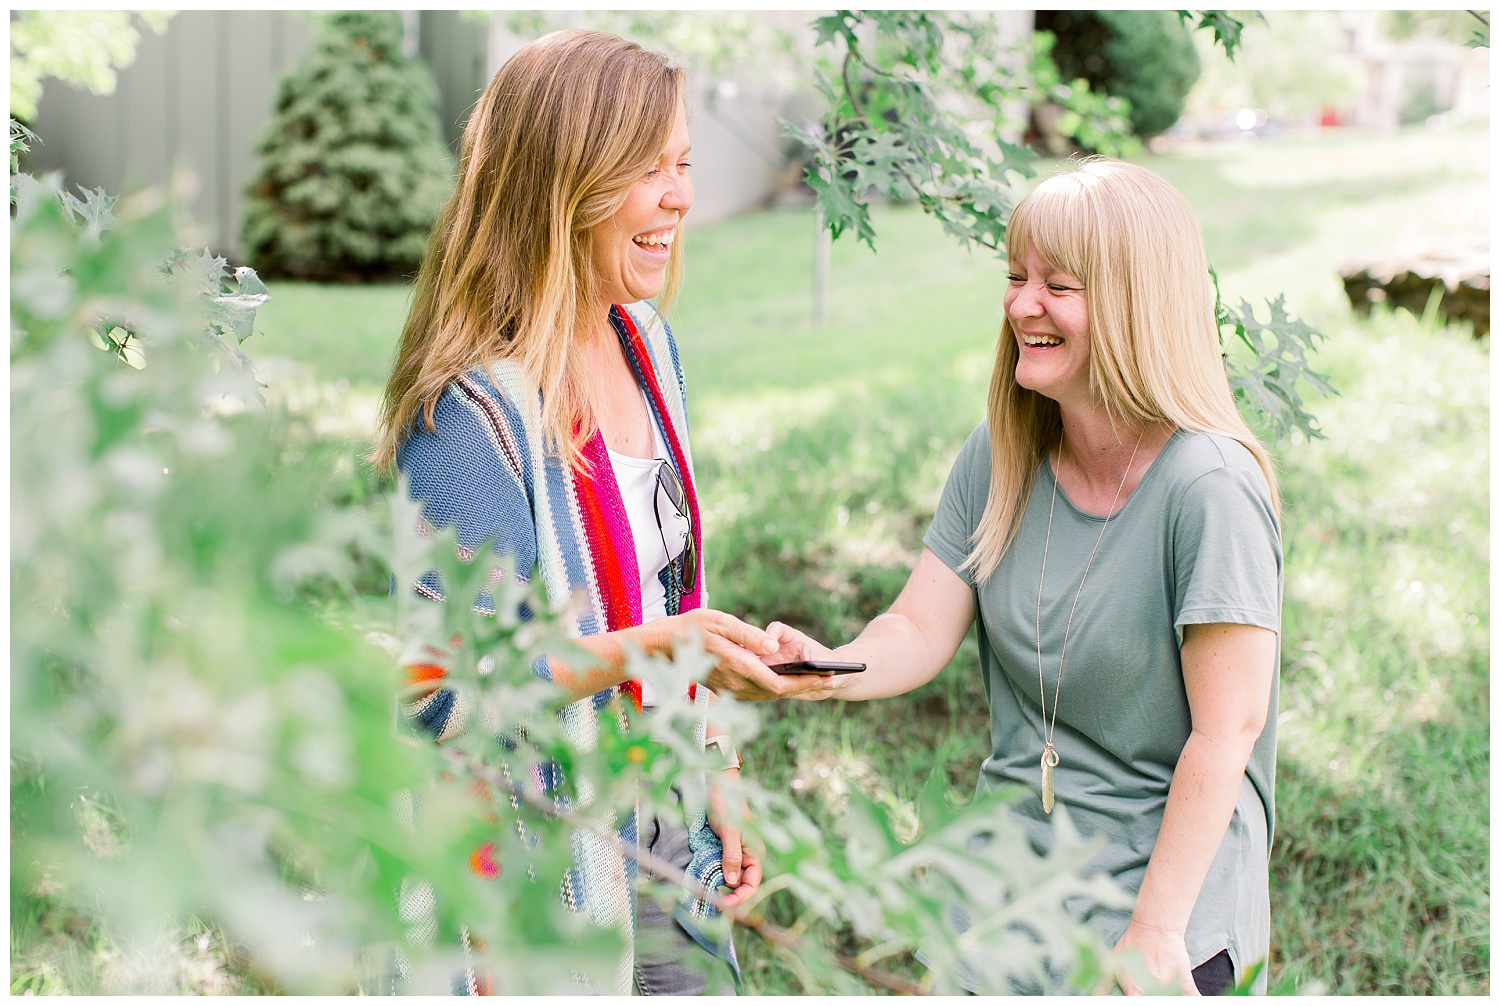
1050,758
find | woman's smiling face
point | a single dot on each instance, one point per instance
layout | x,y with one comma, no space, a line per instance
1049,316
632,248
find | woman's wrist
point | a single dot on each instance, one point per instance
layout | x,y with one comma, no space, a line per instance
1159,908
1159,928
654,638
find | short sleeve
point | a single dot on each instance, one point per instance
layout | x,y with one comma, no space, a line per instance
1226,552
962,504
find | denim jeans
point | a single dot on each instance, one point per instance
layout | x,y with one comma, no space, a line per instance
669,962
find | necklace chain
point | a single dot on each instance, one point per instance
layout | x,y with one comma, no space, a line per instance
1050,757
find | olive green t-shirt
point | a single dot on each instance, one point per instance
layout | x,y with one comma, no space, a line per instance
1197,541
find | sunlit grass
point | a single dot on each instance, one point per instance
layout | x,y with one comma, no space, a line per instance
344,333
1382,866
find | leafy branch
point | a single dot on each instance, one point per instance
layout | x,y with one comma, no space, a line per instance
1271,383
786,941
911,95
1481,37
886,131
897,896
1226,27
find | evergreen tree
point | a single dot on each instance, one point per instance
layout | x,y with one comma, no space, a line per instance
354,168
1144,56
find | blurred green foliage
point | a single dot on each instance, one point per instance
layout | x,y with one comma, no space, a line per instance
82,48
354,169
712,44
1479,35
1095,119
187,739
1144,56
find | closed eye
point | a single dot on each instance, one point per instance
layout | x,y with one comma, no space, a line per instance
681,166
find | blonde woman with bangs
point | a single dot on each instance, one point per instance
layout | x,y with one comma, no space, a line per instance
1113,531
537,400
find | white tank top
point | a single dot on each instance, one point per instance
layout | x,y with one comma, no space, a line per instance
637,480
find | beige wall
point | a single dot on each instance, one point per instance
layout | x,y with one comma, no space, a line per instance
195,99
198,98
739,158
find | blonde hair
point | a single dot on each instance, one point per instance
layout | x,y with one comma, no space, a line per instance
1154,354
551,151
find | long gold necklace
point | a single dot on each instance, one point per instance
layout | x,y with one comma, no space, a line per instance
1050,757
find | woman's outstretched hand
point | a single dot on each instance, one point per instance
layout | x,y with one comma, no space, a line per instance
794,644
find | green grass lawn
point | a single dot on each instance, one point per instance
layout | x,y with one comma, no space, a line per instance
821,453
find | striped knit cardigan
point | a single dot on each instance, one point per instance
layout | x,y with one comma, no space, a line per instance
485,471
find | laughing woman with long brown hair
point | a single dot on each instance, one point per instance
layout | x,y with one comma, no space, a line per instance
537,399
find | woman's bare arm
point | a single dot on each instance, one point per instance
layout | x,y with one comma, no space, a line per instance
902,649
1227,670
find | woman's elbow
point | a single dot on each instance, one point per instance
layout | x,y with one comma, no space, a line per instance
1235,736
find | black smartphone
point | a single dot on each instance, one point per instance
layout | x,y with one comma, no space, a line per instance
817,667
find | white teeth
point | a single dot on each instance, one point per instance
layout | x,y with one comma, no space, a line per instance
652,240
1040,340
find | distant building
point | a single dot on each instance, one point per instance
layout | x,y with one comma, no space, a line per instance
1408,81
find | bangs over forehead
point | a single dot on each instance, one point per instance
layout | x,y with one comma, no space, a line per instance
1057,221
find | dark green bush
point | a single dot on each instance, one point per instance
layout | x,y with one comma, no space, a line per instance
354,169
1144,56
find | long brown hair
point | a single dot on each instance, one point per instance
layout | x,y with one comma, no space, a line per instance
563,131
1154,352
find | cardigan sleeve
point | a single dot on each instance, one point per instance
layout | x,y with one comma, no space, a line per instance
467,475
